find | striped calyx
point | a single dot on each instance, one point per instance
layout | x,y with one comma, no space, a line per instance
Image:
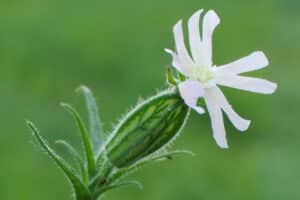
146,129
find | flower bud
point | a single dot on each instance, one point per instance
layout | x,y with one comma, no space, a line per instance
147,128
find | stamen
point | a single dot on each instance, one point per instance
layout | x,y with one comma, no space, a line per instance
202,74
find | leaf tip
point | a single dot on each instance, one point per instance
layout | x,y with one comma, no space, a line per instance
31,125
67,107
82,88
63,104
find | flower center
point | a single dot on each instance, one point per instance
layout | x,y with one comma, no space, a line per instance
202,74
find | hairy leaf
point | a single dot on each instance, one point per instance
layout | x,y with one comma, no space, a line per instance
81,191
96,128
85,138
75,155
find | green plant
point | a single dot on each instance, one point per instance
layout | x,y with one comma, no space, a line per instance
141,137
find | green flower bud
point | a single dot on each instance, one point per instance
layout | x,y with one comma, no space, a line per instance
146,129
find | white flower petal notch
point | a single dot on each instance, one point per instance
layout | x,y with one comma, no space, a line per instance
202,78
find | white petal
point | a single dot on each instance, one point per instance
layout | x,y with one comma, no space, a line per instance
256,85
195,38
191,91
240,123
176,63
216,117
182,53
256,60
210,22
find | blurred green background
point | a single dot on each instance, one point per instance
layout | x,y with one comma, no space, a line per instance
49,47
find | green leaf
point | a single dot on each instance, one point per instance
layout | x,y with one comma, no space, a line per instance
117,185
75,155
147,161
85,138
162,156
81,191
96,128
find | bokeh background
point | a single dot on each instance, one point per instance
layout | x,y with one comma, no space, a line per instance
50,47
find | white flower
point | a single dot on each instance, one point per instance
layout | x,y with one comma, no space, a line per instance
203,78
